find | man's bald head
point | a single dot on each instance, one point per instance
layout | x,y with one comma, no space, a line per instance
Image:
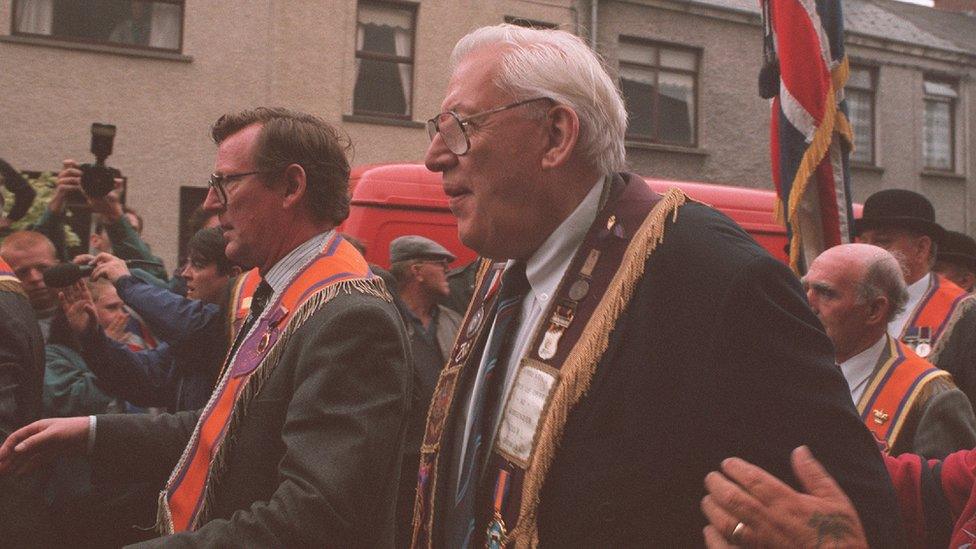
855,290
878,271
29,254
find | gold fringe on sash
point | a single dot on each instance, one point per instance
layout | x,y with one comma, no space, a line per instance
373,286
580,365
12,286
964,306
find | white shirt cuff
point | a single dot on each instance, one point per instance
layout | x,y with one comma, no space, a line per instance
92,422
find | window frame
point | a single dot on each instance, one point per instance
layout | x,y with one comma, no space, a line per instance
529,23
872,71
374,56
655,111
60,38
953,103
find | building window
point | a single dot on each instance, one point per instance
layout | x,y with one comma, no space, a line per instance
860,93
384,59
938,139
129,23
660,87
529,23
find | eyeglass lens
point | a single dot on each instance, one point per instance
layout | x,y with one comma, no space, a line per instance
448,125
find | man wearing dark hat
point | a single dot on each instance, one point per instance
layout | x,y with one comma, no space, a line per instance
420,267
939,320
956,260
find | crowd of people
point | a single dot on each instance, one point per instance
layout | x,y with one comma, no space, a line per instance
619,369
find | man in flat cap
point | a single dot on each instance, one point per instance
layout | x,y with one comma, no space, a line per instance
419,266
939,320
956,260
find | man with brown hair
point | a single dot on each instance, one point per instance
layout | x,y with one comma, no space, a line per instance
299,444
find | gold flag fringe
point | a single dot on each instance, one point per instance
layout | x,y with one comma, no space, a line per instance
580,365
815,153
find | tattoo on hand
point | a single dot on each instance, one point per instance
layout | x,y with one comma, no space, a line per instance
831,527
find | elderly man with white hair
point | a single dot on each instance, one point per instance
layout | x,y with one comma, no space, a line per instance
619,344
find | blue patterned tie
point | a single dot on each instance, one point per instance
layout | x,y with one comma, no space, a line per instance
487,398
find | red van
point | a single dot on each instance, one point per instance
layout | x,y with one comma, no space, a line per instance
396,199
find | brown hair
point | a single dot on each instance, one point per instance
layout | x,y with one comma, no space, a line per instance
290,137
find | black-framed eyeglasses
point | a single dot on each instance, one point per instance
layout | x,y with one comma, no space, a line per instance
218,182
453,128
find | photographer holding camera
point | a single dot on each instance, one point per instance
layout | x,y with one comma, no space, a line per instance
125,240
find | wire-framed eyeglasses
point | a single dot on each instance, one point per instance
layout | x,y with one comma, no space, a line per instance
453,128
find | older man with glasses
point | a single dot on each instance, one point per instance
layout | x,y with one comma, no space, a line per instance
619,343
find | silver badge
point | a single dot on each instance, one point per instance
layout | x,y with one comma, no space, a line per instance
923,350
550,342
579,290
475,323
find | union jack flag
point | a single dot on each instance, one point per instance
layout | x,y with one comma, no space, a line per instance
810,136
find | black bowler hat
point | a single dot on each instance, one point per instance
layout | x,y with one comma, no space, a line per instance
959,249
901,209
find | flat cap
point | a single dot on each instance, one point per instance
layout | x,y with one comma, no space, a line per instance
413,246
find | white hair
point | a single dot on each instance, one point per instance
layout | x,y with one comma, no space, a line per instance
559,65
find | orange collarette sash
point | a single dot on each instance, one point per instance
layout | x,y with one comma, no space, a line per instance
240,301
183,502
896,383
931,317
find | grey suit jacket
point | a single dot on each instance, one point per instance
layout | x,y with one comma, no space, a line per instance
314,461
940,422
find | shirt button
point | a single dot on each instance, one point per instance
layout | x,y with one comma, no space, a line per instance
543,297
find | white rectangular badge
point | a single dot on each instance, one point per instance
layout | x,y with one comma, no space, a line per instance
523,411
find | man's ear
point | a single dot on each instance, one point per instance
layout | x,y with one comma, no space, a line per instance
563,128
878,310
296,184
923,246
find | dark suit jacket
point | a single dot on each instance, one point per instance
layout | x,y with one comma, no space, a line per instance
958,357
716,355
21,363
314,462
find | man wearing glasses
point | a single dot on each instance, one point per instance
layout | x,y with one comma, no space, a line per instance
299,445
619,344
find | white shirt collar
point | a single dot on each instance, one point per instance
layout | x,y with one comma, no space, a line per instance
916,291
857,370
547,265
285,269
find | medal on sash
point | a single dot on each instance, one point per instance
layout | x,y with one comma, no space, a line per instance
920,339
496,534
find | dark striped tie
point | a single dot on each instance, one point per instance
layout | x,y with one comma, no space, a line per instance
487,397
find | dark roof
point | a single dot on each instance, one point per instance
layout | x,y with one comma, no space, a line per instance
890,20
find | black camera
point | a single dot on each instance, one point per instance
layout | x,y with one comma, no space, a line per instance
97,180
